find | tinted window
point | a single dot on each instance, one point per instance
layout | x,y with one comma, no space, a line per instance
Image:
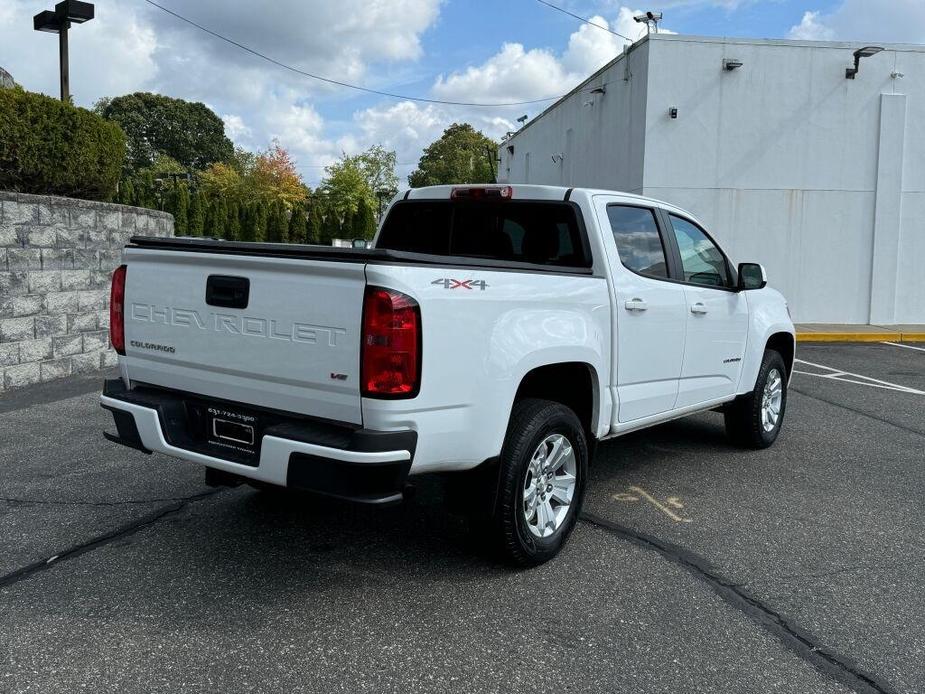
638,241
528,232
701,260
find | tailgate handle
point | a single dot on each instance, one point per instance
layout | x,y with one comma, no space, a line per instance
227,291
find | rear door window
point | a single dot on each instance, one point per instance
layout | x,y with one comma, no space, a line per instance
536,232
639,243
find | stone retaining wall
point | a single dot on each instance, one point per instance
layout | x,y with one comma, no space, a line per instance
56,259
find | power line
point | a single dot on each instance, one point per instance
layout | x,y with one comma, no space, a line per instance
583,19
338,82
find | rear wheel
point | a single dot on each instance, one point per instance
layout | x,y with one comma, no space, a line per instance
542,476
755,420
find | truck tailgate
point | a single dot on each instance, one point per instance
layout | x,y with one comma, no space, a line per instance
275,332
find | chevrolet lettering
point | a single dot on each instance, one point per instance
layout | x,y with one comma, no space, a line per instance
252,326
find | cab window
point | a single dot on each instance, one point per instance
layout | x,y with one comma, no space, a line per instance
638,241
701,260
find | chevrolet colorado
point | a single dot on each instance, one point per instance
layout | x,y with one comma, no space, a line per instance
502,330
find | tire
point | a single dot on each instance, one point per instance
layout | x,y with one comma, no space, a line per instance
749,419
532,530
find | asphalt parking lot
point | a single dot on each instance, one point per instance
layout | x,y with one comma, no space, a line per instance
696,567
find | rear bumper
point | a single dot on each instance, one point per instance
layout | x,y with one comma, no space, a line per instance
342,461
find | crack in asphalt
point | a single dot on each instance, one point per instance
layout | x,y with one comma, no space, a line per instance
834,572
78,502
804,644
106,538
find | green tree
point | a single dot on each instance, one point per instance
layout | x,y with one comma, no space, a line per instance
232,222
314,224
343,186
378,167
145,191
244,220
248,222
181,216
346,226
187,131
260,221
208,217
176,202
461,155
364,223
359,177
298,225
197,215
277,224
126,195
330,228
49,147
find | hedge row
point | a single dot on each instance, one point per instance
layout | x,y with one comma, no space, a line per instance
50,147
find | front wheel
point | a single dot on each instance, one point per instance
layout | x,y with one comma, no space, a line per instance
543,471
755,420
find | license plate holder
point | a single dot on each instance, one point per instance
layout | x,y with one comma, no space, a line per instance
234,431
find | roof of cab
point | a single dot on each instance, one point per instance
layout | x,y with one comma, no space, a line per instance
527,191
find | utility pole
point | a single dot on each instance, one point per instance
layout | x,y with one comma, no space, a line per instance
58,21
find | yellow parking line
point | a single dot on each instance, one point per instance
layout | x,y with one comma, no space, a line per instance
859,336
849,337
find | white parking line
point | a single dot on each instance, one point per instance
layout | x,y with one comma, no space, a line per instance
848,377
898,344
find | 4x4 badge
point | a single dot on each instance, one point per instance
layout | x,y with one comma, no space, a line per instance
450,283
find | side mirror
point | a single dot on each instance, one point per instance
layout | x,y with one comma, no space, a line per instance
358,243
751,276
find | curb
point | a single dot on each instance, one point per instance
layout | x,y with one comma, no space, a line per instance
860,337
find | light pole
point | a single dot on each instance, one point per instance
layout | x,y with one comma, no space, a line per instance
58,21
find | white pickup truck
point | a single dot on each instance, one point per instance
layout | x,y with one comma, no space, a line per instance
501,330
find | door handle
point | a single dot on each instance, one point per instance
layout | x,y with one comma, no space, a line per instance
635,305
698,308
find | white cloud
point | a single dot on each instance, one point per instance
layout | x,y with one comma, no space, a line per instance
513,73
300,127
408,127
235,127
518,74
888,21
591,47
811,29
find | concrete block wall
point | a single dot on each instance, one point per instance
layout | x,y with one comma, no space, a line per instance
56,259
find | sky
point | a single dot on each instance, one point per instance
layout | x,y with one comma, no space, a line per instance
476,51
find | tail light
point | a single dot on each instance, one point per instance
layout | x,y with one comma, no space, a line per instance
391,350
117,310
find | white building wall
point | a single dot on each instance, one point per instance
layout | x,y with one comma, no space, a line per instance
557,149
788,163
